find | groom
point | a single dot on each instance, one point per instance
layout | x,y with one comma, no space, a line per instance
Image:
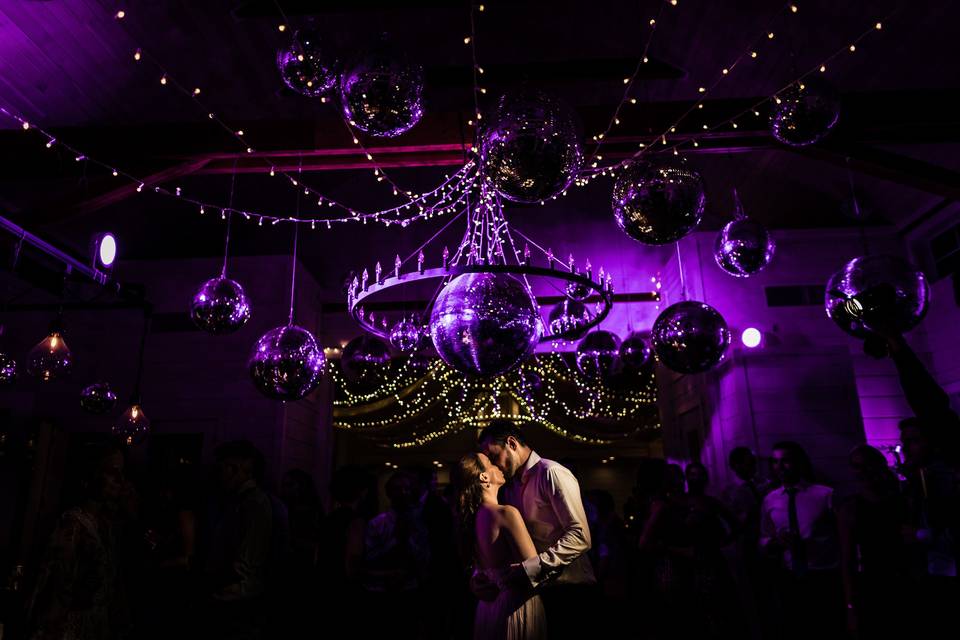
548,497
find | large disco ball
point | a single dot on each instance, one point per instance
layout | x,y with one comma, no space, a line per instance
658,203
8,369
598,355
220,306
531,149
365,362
98,398
305,67
635,351
286,363
569,320
382,94
484,324
406,335
806,112
690,337
743,247
877,293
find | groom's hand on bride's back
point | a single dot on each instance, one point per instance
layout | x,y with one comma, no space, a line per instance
483,587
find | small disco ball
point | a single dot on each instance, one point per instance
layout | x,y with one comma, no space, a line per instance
569,320
484,324
98,398
220,306
531,150
8,369
578,291
365,362
658,203
406,335
635,351
806,112
690,337
304,67
598,355
877,292
286,363
743,248
382,94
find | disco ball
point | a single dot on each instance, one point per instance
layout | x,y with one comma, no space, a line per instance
8,369
806,112
658,203
531,150
132,426
98,398
382,94
877,292
743,248
484,324
50,359
220,306
578,291
530,384
635,352
406,335
690,337
304,67
419,363
598,355
286,363
569,319
365,362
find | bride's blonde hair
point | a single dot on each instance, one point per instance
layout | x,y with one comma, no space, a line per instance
466,479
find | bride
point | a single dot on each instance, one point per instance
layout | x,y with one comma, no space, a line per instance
495,537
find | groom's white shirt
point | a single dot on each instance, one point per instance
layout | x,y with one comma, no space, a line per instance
548,497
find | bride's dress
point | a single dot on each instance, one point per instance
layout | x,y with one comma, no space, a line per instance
514,615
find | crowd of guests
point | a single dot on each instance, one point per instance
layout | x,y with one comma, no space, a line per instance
781,556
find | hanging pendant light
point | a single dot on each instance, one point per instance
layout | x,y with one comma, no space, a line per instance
51,359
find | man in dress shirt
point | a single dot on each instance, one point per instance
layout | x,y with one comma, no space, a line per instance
798,532
548,497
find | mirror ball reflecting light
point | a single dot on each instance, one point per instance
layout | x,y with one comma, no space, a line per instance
50,359
569,320
882,291
658,202
8,369
304,67
132,426
406,335
98,398
598,355
577,291
220,306
690,337
484,324
531,150
743,247
382,94
286,363
807,112
635,351
365,362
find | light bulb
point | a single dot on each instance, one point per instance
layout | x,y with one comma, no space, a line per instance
133,425
50,359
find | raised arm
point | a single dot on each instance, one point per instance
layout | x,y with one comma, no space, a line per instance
561,488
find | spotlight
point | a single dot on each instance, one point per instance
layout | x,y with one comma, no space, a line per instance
104,251
751,337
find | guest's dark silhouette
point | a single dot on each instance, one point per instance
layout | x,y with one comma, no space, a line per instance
798,532
239,564
874,564
299,595
79,592
609,558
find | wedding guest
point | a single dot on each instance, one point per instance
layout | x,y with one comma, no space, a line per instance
874,565
299,596
798,530
609,558
79,592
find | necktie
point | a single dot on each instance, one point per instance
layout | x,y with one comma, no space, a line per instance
798,552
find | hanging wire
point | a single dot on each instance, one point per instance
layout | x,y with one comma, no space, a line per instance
857,211
143,347
226,242
683,282
293,256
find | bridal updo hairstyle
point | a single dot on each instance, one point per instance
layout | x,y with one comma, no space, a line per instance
466,479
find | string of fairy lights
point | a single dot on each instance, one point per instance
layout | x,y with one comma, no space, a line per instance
411,396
